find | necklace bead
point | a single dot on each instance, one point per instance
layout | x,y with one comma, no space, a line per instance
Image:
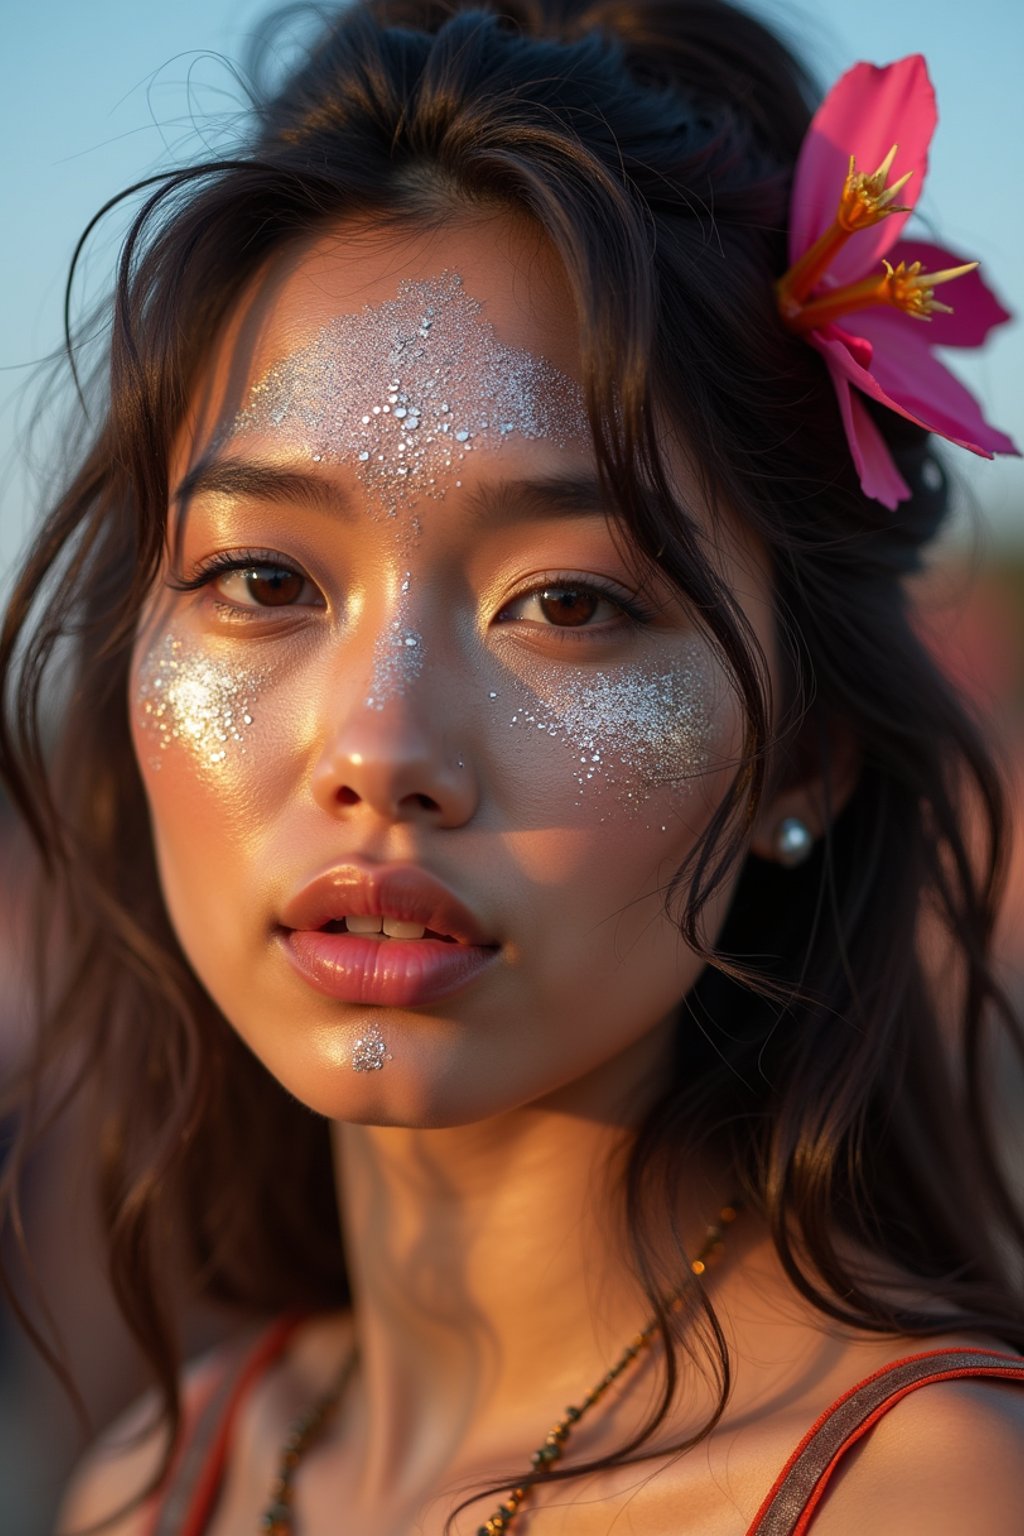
278,1518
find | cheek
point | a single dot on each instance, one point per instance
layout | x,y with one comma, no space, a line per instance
643,746
614,776
215,744
188,704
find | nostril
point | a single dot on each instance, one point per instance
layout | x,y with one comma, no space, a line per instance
347,796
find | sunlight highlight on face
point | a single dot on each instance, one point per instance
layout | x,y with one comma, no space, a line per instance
398,654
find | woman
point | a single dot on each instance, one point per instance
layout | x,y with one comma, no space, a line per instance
503,798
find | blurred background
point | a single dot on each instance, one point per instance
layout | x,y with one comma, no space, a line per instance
95,97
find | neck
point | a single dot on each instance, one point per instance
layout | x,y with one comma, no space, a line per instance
491,1268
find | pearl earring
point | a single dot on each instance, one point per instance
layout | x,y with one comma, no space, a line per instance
792,842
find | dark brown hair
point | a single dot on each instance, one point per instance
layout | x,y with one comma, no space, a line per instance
653,143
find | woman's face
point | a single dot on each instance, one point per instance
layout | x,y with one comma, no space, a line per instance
402,677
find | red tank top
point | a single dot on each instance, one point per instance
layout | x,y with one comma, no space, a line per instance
187,1503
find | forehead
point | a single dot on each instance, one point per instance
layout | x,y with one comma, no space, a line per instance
314,309
329,328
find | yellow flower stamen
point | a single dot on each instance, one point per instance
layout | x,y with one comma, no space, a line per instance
913,288
909,289
865,201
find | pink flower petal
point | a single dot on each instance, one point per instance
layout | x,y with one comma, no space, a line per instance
906,374
863,115
977,310
879,477
914,383
859,348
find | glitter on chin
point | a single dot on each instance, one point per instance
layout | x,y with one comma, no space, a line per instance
186,697
370,1052
635,730
406,389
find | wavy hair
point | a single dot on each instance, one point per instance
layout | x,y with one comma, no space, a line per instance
653,144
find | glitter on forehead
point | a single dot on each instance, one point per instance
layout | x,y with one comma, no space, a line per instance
406,389
187,697
370,1051
634,730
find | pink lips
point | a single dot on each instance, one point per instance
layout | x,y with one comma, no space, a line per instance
355,968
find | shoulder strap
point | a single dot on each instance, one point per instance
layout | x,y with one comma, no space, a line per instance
800,1487
186,1502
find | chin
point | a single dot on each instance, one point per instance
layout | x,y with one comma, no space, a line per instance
420,1091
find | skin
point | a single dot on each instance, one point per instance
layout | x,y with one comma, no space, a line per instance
488,1260
569,884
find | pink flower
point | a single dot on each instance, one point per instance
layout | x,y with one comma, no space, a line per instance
848,261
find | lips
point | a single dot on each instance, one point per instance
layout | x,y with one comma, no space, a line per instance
402,892
396,972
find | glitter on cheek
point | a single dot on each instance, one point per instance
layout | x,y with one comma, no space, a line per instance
634,730
186,697
370,1051
405,391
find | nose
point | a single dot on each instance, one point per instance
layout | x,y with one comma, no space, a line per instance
397,759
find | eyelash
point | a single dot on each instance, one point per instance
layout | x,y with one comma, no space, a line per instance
635,613
222,564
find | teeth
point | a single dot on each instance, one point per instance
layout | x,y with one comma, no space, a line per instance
391,927
396,930
363,924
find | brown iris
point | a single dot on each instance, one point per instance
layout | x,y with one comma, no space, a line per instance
272,586
567,606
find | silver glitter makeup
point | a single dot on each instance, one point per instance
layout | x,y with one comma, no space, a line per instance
634,730
407,389
370,1051
397,656
187,697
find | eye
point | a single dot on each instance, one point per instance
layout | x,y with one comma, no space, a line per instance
264,586
570,605
242,582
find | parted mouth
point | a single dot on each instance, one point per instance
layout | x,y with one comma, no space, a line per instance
383,927
399,901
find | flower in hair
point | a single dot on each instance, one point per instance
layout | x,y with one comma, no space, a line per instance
867,299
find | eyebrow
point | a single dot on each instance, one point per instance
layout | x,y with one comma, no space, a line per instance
570,495
254,480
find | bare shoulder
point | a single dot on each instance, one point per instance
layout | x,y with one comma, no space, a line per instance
114,1476
944,1460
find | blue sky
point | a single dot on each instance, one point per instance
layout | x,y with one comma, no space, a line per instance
94,96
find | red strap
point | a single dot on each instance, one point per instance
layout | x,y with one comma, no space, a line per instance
208,1439
800,1486
786,1511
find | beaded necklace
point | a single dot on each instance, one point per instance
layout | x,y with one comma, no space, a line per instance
279,1518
